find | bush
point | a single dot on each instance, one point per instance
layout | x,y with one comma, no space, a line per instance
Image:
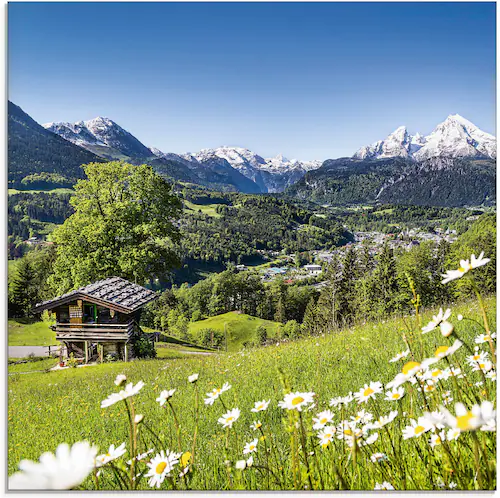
261,335
211,338
143,347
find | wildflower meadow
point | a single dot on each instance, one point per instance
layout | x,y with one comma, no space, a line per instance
404,404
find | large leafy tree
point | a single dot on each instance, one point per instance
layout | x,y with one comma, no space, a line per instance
124,224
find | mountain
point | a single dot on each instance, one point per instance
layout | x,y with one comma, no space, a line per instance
38,158
103,137
271,175
436,181
454,137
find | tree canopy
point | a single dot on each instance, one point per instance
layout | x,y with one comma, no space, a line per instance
124,225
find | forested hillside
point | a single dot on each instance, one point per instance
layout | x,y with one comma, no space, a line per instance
38,158
433,182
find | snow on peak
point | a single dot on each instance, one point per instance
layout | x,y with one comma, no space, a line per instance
454,137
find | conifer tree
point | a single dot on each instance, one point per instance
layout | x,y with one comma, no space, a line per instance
22,293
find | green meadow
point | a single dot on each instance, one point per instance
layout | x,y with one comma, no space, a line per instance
23,332
46,409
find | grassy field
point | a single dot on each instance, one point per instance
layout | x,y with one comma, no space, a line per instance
13,191
35,365
240,328
24,333
208,209
45,410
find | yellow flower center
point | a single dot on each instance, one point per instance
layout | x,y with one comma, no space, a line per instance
487,337
419,429
228,419
258,425
440,351
108,455
368,391
260,407
436,373
252,447
463,422
348,432
481,365
396,395
185,458
410,366
476,357
297,400
161,467
324,420
438,440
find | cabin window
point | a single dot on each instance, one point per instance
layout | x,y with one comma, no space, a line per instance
89,313
62,314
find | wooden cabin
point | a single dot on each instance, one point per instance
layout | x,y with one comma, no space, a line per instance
99,319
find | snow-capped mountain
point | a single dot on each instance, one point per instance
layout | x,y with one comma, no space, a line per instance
101,136
454,137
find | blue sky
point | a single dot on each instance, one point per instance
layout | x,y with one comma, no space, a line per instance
309,80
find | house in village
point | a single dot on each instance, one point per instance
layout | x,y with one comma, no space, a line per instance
99,319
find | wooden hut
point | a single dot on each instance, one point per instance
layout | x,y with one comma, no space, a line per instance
100,318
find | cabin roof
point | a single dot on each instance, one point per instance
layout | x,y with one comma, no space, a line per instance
115,293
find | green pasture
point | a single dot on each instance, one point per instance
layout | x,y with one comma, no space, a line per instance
46,409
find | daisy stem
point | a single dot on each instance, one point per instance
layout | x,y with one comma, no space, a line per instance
197,417
267,454
477,460
131,443
304,450
177,426
340,479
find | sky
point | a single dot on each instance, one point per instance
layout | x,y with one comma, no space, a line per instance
308,80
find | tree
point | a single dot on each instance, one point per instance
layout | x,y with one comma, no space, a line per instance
22,293
123,225
261,334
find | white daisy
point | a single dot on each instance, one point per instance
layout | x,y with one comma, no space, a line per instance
256,425
193,378
250,447
161,466
383,420
120,379
322,419
112,454
465,267
444,351
326,435
378,457
417,428
229,418
400,356
260,406
368,391
130,390
437,320
481,338
395,394
212,396
385,486
164,395
68,468
295,401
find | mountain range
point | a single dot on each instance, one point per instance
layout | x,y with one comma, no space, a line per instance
401,168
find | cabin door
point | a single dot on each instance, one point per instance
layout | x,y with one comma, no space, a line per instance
76,314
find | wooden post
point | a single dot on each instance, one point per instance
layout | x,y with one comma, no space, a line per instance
86,352
126,352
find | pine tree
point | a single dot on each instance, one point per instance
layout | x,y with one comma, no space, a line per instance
328,302
310,321
22,293
347,287
385,288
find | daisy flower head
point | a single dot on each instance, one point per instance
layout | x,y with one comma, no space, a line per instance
161,466
446,328
193,378
164,395
362,417
120,379
492,375
466,420
437,320
213,395
417,428
256,425
400,356
250,447
368,391
138,418
130,390
453,434
444,351
322,419
383,420
296,401
481,338
67,469
385,486
229,418
260,406
112,454
395,394
477,357
326,435
437,439
240,465
465,266
485,366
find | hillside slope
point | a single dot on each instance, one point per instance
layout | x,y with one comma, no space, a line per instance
34,150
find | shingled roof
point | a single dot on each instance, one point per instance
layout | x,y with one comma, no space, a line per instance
114,293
